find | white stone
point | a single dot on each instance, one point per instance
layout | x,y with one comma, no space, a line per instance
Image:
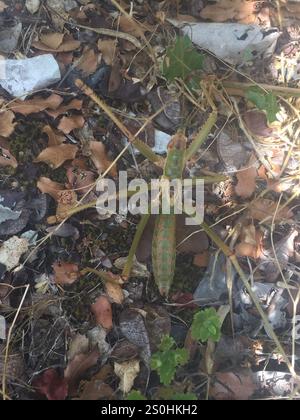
22,77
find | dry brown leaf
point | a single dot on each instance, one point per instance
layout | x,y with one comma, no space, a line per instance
68,124
89,62
46,186
37,104
65,273
100,159
257,123
262,208
251,243
80,179
242,11
130,26
53,138
246,182
3,6
7,159
66,200
52,40
103,312
115,292
76,369
233,386
96,390
69,44
127,372
74,104
7,126
108,48
55,156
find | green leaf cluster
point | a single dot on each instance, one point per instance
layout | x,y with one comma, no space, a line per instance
167,359
206,326
264,101
182,59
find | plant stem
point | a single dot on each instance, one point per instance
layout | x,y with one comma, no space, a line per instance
138,144
201,136
239,88
130,260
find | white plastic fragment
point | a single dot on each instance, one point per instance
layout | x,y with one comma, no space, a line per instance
33,6
22,77
161,142
2,328
232,42
277,383
12,250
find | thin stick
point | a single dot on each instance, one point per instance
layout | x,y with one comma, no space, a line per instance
240,88
8,342
130,260
140,145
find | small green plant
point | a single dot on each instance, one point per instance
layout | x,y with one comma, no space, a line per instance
181,60
206,326
135,396
167,359
264,101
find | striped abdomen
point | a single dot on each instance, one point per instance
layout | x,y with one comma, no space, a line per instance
164,252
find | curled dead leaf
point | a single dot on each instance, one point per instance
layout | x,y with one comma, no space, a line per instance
68,44
38,104
55,156
115,292
103,312
65,273
242,11
108,48
74,104
130,26
68,124
7,159
246,182
89,62
127,372
7,126
54,139
80,179
76,369
233,386
100,159
52,39
262,209
46,186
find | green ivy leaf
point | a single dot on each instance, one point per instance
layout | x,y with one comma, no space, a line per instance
264,101
166,361
135,396
206,326
181,60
